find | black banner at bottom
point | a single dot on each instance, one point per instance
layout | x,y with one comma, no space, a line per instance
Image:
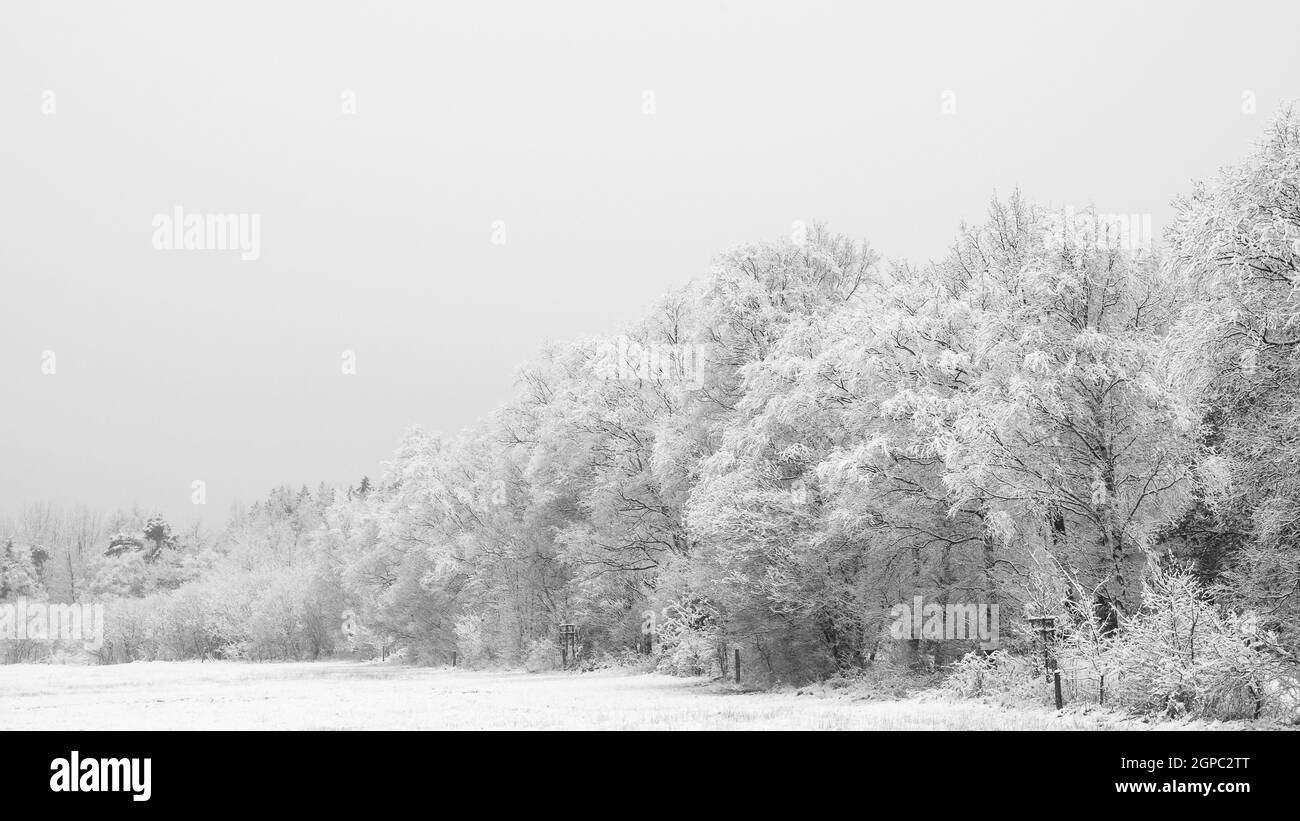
145,771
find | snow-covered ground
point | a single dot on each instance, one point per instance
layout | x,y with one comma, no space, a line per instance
351,695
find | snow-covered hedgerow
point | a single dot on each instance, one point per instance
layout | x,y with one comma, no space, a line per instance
1180,656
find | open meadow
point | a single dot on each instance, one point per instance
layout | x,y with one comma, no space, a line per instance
356,696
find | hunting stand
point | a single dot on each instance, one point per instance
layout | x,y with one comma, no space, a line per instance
1046,627
568,644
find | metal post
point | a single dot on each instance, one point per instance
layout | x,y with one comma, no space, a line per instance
737,665
453,658
1057,676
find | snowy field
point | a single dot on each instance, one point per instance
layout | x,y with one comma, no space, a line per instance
350,695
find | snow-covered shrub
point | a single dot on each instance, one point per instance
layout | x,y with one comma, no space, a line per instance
277,622
999,672
691,654
690,644
129,631
470,646
882,679
1181,656
624,659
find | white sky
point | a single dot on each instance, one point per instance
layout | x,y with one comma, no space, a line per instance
376,228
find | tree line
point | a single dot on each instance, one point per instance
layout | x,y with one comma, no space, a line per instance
1055,417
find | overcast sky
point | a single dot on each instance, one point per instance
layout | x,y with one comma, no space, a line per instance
377,227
